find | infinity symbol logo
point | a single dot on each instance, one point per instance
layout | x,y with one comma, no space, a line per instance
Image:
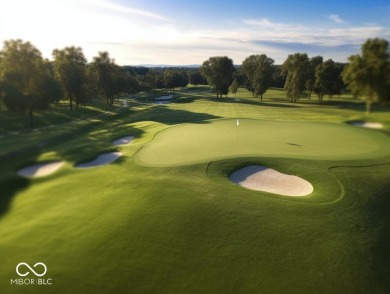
35,273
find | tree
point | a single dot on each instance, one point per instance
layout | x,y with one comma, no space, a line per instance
219,73
195,78
70,70
234,87
69,66
183,80
174,79
106,72
258,70
296,68
328,81
311,80
26,83
367,75
278,78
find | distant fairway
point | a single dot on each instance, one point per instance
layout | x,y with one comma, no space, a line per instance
218,139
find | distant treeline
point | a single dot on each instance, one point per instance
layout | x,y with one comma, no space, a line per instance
29,83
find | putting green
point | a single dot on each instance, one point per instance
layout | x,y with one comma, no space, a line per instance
221,139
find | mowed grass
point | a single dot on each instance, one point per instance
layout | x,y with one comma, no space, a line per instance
128,228
198,143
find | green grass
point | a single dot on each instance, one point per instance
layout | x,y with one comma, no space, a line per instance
129,228
197,143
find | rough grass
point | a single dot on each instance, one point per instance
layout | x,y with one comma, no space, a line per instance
127,228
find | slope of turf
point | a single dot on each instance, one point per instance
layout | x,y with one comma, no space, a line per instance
197,143
128,228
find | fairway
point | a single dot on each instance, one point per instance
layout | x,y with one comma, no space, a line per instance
222,139
165,217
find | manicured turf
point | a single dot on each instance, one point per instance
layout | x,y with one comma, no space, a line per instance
197,143
129,228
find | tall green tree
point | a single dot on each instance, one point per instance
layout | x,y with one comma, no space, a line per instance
218,71
26,83
106,72
258,70
367,74
195,78
328,80
172,79
296,69
311,79
234,87
70,69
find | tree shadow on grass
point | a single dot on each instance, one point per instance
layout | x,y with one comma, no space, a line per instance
10,187
381,216
166,115
79,143
282,104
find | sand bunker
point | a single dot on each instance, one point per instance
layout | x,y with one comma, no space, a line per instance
366,124
123,141
163,98
102,159
40,169
265,179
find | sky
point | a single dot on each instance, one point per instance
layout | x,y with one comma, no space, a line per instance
174,32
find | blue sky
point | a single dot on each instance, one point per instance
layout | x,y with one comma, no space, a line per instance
189,32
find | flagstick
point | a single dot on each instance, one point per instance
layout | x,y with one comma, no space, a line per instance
237,125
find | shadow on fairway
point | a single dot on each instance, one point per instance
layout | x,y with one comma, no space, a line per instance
75,144
9,187
282,104
382,253
166,115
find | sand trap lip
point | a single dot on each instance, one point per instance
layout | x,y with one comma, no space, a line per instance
102,159
162,98
367,124
162,102
261,178
123,141
40,169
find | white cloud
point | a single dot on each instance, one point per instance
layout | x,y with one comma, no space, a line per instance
258,22
132,35
336,18
119,8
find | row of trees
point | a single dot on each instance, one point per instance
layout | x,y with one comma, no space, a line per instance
29,83
299,74
366,76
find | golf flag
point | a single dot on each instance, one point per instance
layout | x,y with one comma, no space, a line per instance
238,122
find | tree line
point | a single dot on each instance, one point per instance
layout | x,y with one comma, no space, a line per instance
367,75
29,83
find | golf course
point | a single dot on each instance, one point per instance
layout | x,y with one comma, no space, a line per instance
139,197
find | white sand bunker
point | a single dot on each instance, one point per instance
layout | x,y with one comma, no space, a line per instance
123,141
265,179
40,169
366,124
102,159
163,98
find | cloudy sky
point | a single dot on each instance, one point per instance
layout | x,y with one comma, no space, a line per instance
179,32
